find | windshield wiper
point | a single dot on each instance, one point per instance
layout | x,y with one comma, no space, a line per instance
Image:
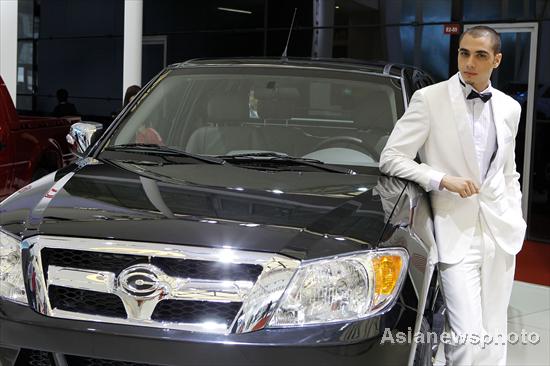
283,159
163,150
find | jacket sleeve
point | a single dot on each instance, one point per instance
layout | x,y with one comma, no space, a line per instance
408,136
511,175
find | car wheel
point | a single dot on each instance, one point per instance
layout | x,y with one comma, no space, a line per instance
423,354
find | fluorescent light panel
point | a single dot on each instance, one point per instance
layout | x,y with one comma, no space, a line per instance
235,10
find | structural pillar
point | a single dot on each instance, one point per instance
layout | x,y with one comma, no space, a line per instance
8,45
390,13
133,29
323,17
457,15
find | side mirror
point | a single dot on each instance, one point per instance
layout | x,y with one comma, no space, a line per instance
82,135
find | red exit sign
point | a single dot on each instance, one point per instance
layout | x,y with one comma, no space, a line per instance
452,29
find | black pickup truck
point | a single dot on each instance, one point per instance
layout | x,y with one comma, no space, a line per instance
233,214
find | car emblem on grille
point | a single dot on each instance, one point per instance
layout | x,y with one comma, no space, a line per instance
141,281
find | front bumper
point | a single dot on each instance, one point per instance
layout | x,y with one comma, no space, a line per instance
22,329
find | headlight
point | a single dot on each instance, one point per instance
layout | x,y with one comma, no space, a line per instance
12,286
342,289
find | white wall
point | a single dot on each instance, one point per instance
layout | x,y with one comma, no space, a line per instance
8,45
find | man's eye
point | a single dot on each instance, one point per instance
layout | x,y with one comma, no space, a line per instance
482,55
462,53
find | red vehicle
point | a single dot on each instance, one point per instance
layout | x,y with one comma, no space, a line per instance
30,147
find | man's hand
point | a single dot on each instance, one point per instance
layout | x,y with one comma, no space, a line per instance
463,186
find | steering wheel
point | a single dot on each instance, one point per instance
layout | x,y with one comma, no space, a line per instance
342,141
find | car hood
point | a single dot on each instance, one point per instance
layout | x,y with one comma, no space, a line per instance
300,214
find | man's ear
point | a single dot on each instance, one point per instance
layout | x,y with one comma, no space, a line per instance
496,62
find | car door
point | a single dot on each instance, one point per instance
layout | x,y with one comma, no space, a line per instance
6,158
7,116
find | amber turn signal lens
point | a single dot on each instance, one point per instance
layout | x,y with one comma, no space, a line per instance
386,271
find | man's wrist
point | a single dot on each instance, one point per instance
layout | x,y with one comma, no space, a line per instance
436,179
442,182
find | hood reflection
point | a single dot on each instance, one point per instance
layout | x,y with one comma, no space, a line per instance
302,213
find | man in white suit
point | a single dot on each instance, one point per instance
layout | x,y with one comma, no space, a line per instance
463,131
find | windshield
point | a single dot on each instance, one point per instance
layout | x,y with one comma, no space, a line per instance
331,116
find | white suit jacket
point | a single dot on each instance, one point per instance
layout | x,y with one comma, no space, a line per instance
437,127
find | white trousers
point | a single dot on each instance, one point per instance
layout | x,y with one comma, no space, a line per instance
477,293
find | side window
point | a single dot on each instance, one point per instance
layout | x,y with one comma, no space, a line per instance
420,80
416,79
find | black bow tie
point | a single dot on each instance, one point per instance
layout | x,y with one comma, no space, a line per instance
483,96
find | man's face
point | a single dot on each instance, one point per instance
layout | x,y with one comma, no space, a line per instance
476,60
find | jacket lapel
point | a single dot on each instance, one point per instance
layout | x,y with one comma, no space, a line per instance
463,126
498,108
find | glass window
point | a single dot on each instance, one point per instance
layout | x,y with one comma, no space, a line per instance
300,44
25,74
436,10
24,103
185,46
336,117
426,47
279,13
356,12
539,194
173,16
365,43
67,18
435,51
489,10
407,34
408,11
25,19
93,86
543,9
25,67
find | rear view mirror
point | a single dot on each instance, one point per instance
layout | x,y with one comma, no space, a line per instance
82,135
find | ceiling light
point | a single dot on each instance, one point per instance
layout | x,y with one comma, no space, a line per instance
235,10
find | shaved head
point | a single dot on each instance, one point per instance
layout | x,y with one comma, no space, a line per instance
484,31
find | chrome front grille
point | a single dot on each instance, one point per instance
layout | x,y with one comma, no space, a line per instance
215,290
115,263
196,311
88,361
86,302
27,357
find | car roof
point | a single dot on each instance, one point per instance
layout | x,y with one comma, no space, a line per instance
341,64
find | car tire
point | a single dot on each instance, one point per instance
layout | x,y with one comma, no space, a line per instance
423,354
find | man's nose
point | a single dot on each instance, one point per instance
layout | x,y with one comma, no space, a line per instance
470,64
